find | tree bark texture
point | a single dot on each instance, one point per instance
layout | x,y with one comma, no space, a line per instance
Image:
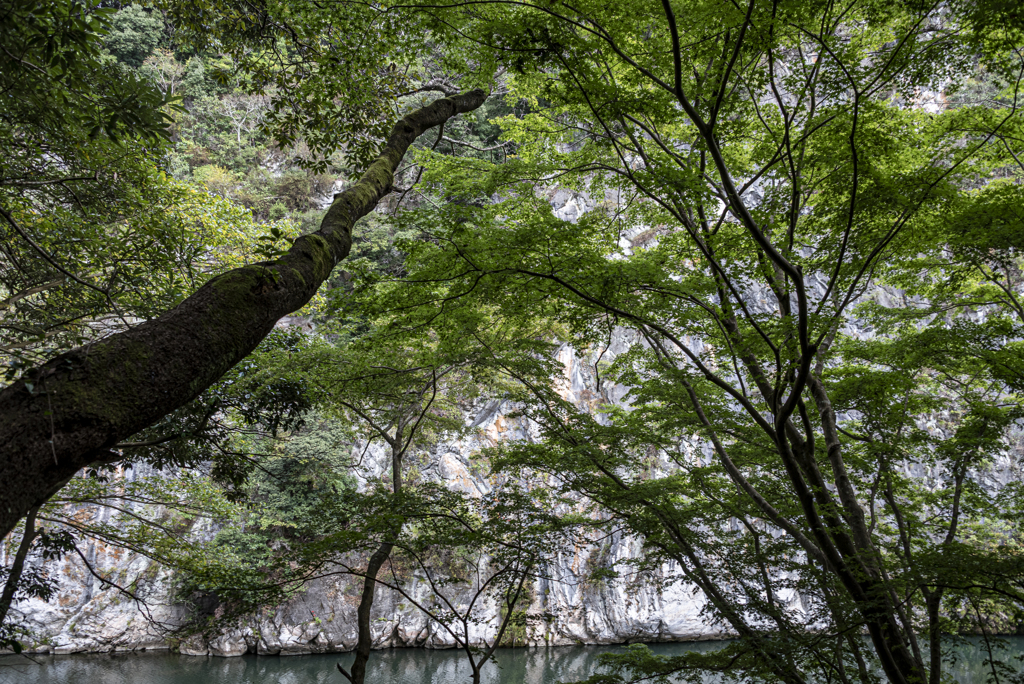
69,413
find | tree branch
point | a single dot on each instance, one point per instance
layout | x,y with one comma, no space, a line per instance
85,401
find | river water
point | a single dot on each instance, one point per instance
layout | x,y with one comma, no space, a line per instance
394,666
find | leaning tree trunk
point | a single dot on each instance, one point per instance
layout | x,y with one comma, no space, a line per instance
70,412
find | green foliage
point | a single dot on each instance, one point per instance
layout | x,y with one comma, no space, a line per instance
216,179
304,484
98,238
93,235
131,250
133,34
303,55
59,88
757,172
807,285
195,83
299,494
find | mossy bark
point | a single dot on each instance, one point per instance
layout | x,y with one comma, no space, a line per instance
70,412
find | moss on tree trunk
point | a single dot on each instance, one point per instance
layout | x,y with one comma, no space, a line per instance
70,412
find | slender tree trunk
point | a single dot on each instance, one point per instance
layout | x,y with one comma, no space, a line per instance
364,644
933,599
72,411
11,585
365,641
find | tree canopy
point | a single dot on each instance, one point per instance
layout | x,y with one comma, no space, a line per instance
795,249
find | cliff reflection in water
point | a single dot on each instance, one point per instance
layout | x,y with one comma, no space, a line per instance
395,666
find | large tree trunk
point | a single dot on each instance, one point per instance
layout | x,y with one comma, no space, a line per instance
70,412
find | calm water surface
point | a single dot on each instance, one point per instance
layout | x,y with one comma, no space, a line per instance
396,666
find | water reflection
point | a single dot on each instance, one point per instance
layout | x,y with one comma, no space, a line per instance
397,666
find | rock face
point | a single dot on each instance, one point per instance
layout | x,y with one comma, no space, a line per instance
87,615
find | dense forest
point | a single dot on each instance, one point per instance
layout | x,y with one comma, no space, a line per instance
242,242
